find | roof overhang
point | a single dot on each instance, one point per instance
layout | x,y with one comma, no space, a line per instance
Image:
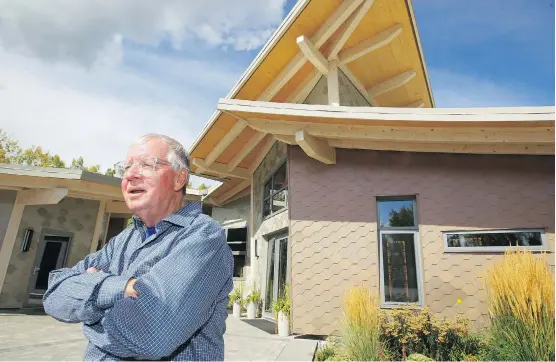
513,130
320,129
62,182
315,39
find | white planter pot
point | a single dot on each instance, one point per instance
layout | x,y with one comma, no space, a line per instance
283,325
236,310
252,310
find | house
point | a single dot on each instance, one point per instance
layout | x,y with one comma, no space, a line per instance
52,218
336,162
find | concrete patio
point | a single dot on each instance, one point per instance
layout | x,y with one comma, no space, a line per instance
36,336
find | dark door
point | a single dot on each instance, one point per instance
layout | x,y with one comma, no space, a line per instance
51,255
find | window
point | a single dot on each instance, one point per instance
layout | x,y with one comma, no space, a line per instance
207,209
494,240
237,241
275,193
400,280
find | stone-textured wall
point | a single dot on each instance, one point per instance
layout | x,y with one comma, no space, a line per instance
333,232
262,229
349,94
235,214
7,199
72,215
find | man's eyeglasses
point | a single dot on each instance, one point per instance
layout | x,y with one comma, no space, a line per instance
145,166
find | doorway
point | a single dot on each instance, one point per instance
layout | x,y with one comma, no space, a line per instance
277,272
52,252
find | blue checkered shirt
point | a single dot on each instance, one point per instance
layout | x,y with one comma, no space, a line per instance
184,275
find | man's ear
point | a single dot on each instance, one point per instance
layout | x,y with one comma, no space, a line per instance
180,180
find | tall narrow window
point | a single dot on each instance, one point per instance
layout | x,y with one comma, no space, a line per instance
275,193
400,280
237,241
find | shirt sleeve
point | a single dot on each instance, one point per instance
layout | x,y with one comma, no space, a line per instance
176,297
73,295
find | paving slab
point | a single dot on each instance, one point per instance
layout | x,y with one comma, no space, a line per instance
36,336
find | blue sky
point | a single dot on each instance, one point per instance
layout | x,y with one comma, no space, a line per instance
141,66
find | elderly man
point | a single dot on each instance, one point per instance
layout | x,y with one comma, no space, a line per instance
159,289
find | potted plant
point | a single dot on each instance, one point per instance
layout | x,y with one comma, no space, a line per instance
253,300
282,313
235,300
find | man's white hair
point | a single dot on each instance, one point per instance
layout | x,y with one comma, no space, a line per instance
177,155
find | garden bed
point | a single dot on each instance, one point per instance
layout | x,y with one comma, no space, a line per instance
520,299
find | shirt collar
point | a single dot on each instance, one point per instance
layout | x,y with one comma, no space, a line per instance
183,217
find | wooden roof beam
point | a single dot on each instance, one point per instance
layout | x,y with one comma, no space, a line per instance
371,44
333,83
329,69
284,130
267,145
313,54
452,147
316,148
241,194
233,191
305,87
320,37
221,169
245,150
347,29
290,140
225,142
392,83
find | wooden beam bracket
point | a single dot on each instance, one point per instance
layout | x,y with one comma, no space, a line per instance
392,83
371,44
316,148
313,54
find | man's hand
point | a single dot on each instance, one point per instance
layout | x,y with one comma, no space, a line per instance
129,291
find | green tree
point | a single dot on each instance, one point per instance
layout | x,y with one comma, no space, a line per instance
402,217
94,168
9,149
35,156
77,163
202,187
11,152
110,172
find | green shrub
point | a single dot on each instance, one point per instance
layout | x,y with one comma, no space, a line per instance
282,304
325,353
236,296
520,299
407,330
254,296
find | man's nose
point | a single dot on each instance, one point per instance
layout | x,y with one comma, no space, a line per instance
133,172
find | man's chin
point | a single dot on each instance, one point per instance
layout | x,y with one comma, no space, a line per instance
136,205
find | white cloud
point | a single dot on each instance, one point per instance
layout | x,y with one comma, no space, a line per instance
452,89
50,111
87,77
79,30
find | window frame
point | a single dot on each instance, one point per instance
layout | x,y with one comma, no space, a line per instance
417,247
493,249
238,253
270,178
